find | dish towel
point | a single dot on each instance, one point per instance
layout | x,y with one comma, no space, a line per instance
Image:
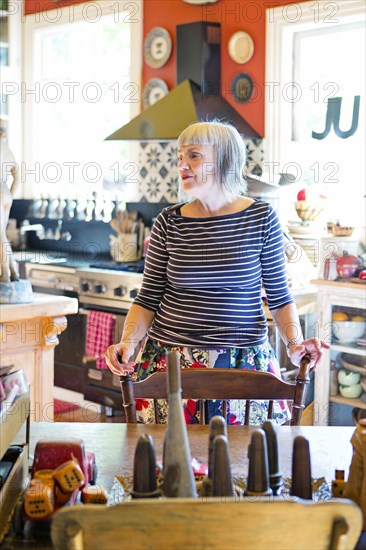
99,335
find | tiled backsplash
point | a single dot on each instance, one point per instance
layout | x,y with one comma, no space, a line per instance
159,180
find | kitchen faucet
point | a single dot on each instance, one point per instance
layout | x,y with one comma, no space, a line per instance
26,226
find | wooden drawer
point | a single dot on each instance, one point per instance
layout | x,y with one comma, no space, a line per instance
12,421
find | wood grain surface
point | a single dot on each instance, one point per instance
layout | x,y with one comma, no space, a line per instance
114,447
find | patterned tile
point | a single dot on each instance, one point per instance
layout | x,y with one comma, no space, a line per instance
159,175
158,162
255,156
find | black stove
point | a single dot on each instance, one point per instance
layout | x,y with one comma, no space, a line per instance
132,267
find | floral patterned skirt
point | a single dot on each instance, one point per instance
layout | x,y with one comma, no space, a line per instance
261,358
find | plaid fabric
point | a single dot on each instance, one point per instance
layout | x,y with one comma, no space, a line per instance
99,335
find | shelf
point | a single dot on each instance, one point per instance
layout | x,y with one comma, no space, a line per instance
347,349
349,402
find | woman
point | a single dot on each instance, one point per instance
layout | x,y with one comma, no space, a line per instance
207,261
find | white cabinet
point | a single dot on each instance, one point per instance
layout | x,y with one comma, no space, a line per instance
350,299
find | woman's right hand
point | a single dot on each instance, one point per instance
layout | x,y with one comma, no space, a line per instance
117,358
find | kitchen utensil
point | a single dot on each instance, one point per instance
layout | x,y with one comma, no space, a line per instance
222,484
275,475
301,469
144,469
258,474
115,225
123,219
178,473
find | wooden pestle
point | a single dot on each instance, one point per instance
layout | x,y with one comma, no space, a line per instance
222,484
258,475
275,476
301,484
144,469
217,427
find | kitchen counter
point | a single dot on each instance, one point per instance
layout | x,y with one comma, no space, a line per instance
28,335
43,305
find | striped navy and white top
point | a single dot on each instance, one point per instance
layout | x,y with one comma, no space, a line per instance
203,277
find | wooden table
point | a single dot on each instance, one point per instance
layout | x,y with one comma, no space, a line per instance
114,446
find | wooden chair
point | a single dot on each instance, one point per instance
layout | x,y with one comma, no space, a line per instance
211,523
224,384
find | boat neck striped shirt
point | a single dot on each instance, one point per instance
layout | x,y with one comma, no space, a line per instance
203,277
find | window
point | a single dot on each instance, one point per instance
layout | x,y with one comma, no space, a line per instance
316,68
82,83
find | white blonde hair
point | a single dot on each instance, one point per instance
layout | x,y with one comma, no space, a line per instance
229,149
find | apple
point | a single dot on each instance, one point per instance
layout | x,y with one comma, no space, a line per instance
301,196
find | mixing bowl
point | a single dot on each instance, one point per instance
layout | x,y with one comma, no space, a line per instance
347,332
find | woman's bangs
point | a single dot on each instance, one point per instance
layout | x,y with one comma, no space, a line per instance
196,134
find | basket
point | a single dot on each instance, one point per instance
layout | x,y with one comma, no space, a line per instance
307,212
339,231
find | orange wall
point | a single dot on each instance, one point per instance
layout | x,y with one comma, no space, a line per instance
234,15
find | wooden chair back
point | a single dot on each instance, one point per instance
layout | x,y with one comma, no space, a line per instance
224,384
211,523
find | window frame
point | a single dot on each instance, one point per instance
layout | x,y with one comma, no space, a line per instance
37,21
279,147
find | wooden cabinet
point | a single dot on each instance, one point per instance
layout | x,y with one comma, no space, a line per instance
10,423
28,336
350,299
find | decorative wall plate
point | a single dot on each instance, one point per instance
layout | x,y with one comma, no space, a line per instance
154,90
157,47
242,87
241,47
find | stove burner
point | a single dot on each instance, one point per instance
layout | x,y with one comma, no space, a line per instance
133,267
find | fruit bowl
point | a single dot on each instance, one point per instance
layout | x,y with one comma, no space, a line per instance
306,211
347,332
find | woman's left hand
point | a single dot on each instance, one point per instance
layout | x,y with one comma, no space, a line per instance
313,346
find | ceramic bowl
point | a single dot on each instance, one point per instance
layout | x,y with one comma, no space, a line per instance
348,378
351,392
306,211
347,332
